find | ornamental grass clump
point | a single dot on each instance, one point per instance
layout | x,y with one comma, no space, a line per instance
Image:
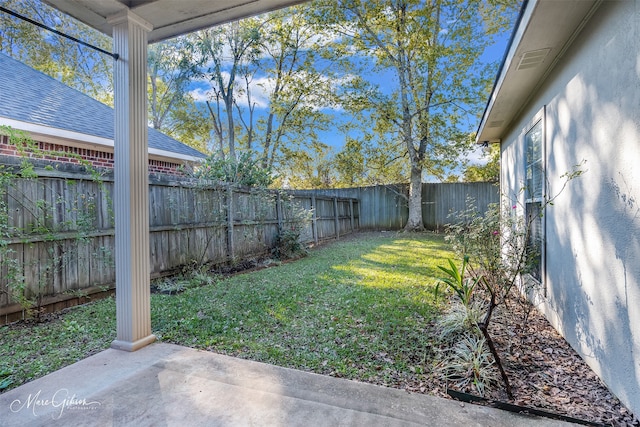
471,364
500,252
495,252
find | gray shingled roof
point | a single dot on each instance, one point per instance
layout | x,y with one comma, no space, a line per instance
30,96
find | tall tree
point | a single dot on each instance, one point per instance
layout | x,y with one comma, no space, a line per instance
170,71
307,169
490,171
190,124
428,52
225,51
296,81
350,164
75,65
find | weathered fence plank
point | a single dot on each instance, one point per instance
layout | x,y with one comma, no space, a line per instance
189,224
385,207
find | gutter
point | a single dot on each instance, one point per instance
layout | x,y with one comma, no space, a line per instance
505,55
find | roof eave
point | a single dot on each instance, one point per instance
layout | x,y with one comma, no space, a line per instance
169,18
545,30
82,140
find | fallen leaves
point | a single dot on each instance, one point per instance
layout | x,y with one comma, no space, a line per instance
546,373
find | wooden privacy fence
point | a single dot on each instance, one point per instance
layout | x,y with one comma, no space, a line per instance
57,232
441,199
385,207
60,239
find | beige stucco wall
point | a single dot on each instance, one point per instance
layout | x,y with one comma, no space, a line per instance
591,109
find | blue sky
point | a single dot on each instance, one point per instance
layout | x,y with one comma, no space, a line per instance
334,138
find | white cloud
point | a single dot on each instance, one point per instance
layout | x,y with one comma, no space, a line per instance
260,89
200,94
475,157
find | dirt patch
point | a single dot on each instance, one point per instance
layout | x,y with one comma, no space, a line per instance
545,373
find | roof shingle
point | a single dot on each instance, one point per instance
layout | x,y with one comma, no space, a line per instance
31,96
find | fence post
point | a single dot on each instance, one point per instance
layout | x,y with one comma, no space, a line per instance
335,216
314,219
351,212
279,211
230,246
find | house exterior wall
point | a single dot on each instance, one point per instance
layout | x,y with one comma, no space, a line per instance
97,158
590,105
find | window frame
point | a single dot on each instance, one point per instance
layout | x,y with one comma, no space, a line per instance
534,200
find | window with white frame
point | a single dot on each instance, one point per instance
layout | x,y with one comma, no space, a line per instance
533,197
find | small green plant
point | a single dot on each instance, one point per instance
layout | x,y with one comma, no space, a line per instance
202,278
288,245
471,365
197,274
78,293
192,276
460,319
171,286
74,328
5,379
456,281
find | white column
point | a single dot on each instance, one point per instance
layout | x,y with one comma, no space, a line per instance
131,197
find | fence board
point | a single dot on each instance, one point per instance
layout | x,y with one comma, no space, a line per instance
192,223
187,223
385,207
72,268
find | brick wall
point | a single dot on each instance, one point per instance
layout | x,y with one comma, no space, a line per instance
99,159
160,167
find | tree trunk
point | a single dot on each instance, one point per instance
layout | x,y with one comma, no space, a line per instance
414,223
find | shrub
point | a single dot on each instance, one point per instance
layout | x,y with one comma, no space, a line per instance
470,364
288,245
498,251
245,170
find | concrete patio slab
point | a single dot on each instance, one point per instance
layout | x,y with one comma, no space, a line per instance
169,385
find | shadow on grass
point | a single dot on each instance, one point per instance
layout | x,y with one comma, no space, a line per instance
360,309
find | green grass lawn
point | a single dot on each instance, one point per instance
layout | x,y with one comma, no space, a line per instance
360,308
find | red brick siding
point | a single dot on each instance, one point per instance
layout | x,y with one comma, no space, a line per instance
7,149
98,159
157,166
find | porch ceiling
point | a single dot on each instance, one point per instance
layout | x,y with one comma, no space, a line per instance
545,32
169,18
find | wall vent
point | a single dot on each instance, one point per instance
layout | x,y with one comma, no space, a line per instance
533,58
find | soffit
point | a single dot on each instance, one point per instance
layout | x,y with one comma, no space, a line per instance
546,30
169,18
